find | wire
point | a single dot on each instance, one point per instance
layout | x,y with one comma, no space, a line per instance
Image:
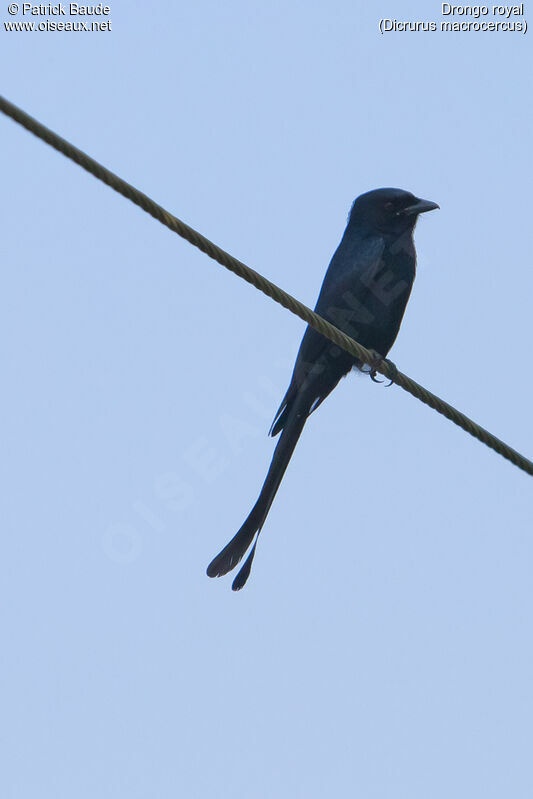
328,330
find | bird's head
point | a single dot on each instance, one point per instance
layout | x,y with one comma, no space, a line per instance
389,210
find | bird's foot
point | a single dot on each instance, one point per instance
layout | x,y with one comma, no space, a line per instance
377,361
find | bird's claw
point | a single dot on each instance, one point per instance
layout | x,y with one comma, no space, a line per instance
377,361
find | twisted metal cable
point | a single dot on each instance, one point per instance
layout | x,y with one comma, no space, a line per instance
328,330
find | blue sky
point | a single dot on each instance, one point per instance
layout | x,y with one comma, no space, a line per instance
383,645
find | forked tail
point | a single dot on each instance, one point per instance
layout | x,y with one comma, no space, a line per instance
233,552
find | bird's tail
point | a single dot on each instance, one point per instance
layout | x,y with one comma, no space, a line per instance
233,552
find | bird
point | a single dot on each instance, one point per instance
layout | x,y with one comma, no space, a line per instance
364,293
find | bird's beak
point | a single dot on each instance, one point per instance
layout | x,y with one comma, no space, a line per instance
420,207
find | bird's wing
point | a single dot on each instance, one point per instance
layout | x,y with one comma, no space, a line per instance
342,302
342,298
